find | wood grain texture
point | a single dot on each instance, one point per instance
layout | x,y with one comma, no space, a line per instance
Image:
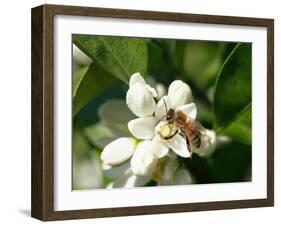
42,113
43,106
270,111
37,114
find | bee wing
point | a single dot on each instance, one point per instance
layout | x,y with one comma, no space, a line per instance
201,129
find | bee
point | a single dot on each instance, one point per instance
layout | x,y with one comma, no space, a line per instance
181,122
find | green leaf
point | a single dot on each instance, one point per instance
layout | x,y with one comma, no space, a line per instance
120,56
231,163
158,61
204,115
87,84
199,168
232,99
241,127
200,61
78,78
80,145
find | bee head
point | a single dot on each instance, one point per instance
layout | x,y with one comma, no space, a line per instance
170,115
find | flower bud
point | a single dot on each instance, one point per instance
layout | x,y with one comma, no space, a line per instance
118,151
179,93
140,100
143,162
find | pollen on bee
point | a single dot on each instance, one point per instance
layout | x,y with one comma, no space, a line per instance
165,130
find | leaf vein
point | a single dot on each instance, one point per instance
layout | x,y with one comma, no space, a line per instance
236,117
113,54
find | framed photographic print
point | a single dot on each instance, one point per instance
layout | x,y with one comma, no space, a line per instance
141,112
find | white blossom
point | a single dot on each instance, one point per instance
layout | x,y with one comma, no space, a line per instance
132,162
169,172
151,127
142,161
118,151
142,128
165,171
159,87
140,96
179,93
129,180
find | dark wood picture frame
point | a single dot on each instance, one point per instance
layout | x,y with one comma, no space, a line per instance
42,203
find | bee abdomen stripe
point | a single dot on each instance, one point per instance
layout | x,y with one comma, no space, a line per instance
197,141
196,138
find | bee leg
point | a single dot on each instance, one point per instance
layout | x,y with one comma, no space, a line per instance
188,146
187,143
169,137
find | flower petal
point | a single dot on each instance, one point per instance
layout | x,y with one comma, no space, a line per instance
143,161
189,109
168,173
113,172
118,151
182,177
140,100
136,78
159,148
162,107
79,57
121,115
161,90
178,145
142,128
129,180
179,93
151,90
159,87
136,181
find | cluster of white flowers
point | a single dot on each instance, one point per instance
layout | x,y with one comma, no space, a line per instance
134,161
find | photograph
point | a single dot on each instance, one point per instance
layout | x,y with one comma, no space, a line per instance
160,112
